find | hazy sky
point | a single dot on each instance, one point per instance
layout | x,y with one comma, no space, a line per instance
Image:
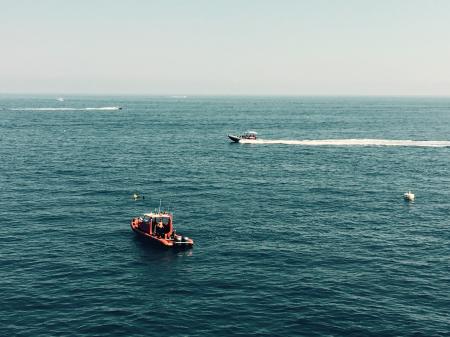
315,47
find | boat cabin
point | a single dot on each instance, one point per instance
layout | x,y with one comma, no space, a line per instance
157,224
158,228
249,135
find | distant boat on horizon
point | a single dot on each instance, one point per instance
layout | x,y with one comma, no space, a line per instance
60,99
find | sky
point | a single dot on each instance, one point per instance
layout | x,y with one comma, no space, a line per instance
225,47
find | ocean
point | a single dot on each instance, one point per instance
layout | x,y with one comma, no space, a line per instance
301,233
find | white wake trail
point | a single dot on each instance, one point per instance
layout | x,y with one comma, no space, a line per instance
351,142
66,109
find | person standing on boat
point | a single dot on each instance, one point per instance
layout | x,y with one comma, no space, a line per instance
160,228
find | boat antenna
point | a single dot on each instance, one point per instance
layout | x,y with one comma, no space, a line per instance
159,211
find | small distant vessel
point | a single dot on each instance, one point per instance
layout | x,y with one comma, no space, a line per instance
250,135
137,196
408,196
60,99
157,227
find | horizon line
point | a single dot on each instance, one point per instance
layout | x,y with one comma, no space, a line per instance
186,95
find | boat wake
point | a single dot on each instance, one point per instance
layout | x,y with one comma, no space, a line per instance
350,142
67,109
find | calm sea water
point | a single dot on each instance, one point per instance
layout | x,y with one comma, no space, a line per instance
291,238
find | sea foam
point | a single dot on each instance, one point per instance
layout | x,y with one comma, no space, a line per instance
66,109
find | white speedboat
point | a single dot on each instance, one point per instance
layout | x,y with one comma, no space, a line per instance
250,135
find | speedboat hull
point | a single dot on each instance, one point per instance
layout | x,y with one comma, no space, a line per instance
235,139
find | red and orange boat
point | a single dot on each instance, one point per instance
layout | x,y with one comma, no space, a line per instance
158,228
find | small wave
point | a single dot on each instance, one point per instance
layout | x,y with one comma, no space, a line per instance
105,108
351,142
67,109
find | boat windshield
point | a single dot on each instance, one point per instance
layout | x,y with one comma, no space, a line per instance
164,220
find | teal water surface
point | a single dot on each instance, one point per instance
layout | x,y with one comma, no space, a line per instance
291,239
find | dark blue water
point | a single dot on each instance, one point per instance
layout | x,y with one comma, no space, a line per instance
290,239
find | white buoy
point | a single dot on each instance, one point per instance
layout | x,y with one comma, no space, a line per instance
408,196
